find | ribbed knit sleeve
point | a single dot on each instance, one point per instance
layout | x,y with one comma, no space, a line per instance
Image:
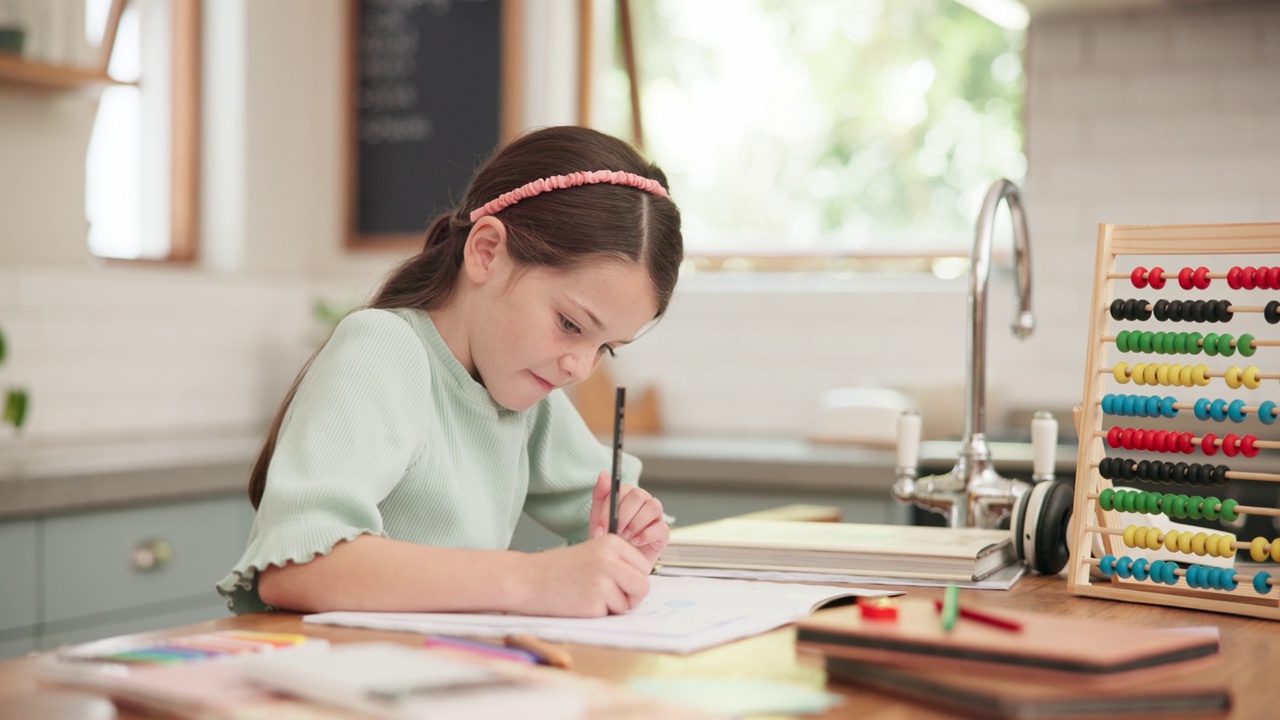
353,430
564,460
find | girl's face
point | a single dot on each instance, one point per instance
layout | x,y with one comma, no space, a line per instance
538,329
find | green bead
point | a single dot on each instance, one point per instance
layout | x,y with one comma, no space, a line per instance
1245,345
1179,507
1211,344
1130,501
1104,499
1122,341
1180,343
1144,341
1229,510
1193,343
1167,503
1170,343
1224,345
1210,510
1195,507
1140,503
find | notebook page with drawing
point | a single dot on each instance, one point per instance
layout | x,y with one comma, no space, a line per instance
680,615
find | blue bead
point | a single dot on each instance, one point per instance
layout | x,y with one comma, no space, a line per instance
1170,573
1202,409
1107,400
1218,409
1107,565
1235,411
1267,412
1124,566
1215,577
1167,407
1260,582
1140,569
1229,581
1193,576
1153,406
1130,405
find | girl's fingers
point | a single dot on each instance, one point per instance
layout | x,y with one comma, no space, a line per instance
598,522
635,511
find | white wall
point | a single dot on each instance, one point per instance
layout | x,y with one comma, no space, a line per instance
1164,116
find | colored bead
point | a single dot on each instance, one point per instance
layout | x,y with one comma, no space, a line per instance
1209,444
1211,508
1149,374
1214,578
1231,445
1258,549
1211,344
1233,278
1218,409
1140,569
1155,278
1107,565
1197,542
1104,499
1108,401
1130,503
1200,374
1267,412
1271,313
1195,343
1130,407
1235,411
1113,436
1179,343
1144,342
1121,373
1211,545
1166,504
1225,348
1161,310
1200,278
1250,378
1193,576
1138,277
1202,409
1232,376
1140,499
1124,567
1171,540
1184,542
1184,278
1247,446
1162,375
1122,341
1167,408
1129,533
1275,550
1227,546
1262,583
1245,345
1153,406
1195,507
1229,513
1180,506
1169,343
1154,541
1222,309
1249,278
1170,573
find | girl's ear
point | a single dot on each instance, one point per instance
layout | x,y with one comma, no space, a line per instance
485,249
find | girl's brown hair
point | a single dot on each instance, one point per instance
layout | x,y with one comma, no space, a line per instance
560,229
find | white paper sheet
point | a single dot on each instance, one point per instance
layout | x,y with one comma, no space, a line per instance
680,615
1002,579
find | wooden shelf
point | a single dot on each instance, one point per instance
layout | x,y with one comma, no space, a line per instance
16,72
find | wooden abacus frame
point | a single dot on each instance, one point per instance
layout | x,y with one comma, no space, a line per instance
1089,518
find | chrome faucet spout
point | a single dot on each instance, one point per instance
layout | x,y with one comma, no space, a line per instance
979,273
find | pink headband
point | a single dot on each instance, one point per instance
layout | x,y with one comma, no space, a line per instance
558,182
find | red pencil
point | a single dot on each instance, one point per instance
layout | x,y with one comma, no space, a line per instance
982,617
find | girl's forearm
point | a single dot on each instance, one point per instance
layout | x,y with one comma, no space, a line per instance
379,574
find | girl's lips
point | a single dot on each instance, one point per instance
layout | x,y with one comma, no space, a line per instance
545,385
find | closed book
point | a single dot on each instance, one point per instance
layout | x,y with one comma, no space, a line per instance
990,695
906,551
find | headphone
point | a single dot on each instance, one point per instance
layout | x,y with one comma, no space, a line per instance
1040,524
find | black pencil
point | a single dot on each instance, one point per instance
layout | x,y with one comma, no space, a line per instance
615,483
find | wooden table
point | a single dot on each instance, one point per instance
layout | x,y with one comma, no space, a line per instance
1252,649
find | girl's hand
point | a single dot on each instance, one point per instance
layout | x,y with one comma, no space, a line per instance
602,576
639,518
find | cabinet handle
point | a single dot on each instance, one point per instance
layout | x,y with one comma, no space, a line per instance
152,555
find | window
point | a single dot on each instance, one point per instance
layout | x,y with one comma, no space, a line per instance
141,166
824,128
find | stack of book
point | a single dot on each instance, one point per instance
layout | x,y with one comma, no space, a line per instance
854,549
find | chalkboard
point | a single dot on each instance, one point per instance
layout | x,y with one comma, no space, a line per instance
428,103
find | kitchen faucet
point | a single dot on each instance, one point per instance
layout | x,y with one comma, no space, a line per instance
973,494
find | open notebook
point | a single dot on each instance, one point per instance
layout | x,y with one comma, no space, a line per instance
680,615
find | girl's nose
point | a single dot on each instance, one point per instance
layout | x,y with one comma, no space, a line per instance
578,365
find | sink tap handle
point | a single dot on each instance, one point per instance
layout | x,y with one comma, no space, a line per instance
1044,445
904,488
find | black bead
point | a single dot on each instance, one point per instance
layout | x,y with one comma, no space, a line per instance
1175,310
1179,473
1272,312
1204,474
1220,474
1161,310
1162,471
1104,468
1142,309
1117,309
1222,308
1197,311
1188,308
1127,469
1144,470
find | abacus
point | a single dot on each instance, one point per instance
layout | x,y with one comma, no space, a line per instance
1219,344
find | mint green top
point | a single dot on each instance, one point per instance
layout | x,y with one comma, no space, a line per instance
389,435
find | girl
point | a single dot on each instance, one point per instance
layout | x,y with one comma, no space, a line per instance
393,475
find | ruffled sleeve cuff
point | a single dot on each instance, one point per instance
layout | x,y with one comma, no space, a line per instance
294,542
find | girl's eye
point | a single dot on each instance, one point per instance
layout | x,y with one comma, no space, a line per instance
569,326
606,349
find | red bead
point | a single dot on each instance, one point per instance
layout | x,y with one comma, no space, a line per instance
1231,445
1126,438
1273,276
1208,444
1233,278
1248,278
1201,277
1246,446
1263,278
1140,440
1162,441
1138,277
1113,436
1184,278
1184,443
1155,278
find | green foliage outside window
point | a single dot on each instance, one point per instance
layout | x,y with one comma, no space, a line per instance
15,399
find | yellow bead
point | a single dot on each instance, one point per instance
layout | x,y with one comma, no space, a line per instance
1211,545
1139,374
1197,543
1162,374
1121,373
1171,540
1201,375
1250,378
1185,378
1129,532
1175,374
1275,550
1233,377
1258,549
1227,546
1150,374
1154,541
1184,542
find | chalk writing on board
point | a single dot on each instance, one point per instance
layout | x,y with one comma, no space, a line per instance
389,41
